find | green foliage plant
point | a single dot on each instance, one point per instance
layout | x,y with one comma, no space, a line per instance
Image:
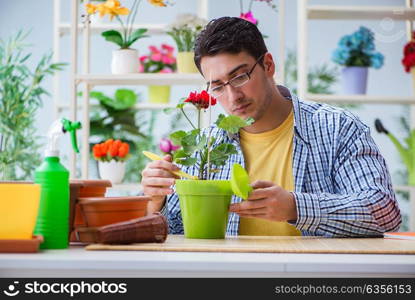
20,99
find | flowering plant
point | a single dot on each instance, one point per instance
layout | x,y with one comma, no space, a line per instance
167,147
358,49
113,8
111,150
160,60
408,59
249,16
200,144
184,31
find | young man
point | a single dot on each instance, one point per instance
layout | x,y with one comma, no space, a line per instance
316,169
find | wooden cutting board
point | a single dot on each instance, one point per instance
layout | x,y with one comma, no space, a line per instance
272,245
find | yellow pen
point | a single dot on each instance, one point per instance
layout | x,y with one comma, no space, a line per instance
154,156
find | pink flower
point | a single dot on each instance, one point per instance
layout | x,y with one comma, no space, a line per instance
156,56
249,17
154,49
141,68
167,146
166,70
167,47
143,58
168,60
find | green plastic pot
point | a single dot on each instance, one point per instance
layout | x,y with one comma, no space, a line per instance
205,207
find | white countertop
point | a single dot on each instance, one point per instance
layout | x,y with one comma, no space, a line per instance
77,262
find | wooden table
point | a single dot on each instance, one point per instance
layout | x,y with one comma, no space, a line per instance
78,262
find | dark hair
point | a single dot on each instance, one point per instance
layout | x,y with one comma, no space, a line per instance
229,35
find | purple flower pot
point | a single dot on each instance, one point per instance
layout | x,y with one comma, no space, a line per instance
354,80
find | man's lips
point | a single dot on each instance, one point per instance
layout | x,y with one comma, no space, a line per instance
242,107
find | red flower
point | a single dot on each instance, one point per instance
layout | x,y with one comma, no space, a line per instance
200,100
408,59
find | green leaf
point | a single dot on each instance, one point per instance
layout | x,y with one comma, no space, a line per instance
124,98
176,137
136,35
220,154
181,157
233,123
114,36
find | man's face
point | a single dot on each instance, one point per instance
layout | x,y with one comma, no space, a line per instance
248,100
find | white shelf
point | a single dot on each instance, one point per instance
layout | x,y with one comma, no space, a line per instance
65,28
125,187
404,188
330,12
143,106
360,99
141,79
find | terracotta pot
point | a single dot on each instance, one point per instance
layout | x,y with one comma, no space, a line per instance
100,211
86,234
83,188
148,229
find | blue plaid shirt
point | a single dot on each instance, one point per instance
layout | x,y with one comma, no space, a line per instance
342,184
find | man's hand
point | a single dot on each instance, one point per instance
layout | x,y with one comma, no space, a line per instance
156,182
267,201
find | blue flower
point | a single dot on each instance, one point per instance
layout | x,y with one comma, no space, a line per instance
357,47
376,60
340,56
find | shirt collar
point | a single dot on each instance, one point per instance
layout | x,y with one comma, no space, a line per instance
298,122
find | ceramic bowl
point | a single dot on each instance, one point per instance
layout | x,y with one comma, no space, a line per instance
100,211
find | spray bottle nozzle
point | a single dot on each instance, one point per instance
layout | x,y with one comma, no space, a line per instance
72,127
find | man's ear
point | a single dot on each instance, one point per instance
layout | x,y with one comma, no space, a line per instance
269,64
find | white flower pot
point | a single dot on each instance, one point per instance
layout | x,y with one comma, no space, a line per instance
124,61
113,171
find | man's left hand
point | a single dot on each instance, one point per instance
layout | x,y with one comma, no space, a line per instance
267,201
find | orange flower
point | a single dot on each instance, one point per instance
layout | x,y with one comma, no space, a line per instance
157,2
113,150
113,8
91,8
123,150
97,151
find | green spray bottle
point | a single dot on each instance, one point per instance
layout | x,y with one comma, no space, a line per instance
53,217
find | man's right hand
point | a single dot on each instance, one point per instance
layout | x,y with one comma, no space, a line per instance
157,181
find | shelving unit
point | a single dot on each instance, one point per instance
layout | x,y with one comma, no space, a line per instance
83,79
330,12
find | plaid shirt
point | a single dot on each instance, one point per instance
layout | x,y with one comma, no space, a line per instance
342,185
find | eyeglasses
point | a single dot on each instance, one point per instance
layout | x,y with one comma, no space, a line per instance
235,82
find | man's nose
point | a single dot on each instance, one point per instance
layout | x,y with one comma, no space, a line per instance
234,93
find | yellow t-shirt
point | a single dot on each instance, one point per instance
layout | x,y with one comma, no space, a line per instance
269,156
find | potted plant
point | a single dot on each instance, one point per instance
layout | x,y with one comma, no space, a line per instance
21,94
204,202
159,60
408,60
111,156
406,151
184,31
125,59
356,52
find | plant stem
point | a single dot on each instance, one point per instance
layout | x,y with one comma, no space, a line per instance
124,30
134,13
250,5
187,118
